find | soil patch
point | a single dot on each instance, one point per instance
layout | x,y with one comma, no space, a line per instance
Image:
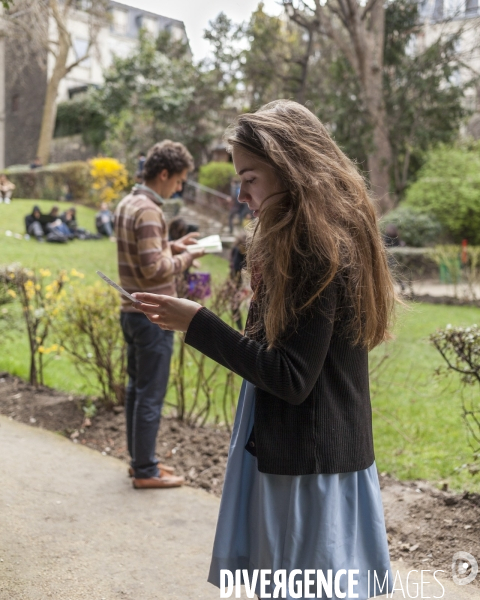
425,526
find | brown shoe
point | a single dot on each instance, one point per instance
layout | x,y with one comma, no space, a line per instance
165,481
164,470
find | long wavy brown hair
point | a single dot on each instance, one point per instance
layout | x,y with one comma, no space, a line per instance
324,226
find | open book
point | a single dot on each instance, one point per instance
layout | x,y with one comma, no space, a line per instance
210,244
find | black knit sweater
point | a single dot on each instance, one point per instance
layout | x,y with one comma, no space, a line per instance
312,402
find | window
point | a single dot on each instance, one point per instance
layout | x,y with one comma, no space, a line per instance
176,32
471,8
438,10
15,103
147,23
120,21
83,4
454,8
80,47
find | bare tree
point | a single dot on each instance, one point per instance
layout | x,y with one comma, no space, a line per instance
358,30
42,28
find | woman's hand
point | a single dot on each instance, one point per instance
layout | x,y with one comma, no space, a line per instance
172,314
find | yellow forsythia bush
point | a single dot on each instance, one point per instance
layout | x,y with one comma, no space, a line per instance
88,328
110,178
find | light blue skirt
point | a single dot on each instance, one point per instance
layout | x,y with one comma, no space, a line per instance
318,522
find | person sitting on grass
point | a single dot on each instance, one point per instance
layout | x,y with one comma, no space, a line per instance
57,230
104,221
69,218
6,189
33,225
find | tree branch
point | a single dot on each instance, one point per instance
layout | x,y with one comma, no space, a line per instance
367,8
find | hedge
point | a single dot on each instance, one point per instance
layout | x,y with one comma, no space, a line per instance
448,187
52,182
217,175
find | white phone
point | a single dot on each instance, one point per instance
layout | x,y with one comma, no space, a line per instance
116,286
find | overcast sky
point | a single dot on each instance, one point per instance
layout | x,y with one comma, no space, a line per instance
196,15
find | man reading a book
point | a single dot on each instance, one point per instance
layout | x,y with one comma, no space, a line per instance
148,262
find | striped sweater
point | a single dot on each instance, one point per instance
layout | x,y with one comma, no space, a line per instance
145,259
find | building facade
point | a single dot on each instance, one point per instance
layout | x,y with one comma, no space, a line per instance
447,17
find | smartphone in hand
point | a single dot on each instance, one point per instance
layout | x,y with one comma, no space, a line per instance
116,286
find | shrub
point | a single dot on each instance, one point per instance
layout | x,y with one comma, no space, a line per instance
82,115
109,179
52,182
8,321
460,349
38,293
217,175
448,187
88,328
416,229
204,390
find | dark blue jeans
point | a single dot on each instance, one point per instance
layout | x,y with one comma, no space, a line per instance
148,364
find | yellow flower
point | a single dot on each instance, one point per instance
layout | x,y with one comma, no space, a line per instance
38,287
12,293
41,350
109,177
76,273
45,272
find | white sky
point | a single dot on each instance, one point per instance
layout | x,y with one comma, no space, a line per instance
196,15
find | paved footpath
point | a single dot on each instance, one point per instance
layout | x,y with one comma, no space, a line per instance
73,528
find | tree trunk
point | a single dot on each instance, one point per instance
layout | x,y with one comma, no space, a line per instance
379,165
368,42
50,106
301,94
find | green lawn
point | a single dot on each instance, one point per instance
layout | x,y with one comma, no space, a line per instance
418,429
419,432
85,256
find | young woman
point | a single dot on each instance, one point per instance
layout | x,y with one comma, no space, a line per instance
301,489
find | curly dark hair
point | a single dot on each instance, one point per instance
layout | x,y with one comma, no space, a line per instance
169,155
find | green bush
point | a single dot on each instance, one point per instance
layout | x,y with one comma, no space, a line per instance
82,116
448,187
460,349
88,328
52,182
415,228
217,175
